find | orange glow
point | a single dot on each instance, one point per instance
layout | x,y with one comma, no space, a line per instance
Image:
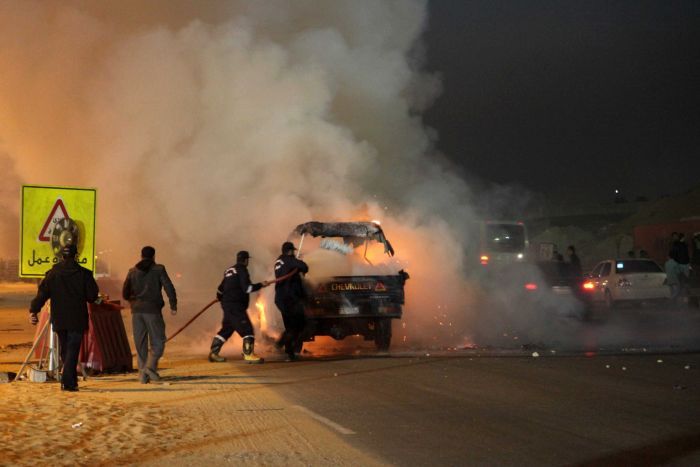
531,286
588,285
484,260
260,305
374,252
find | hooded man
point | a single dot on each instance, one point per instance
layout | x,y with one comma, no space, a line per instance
69,286
234,295
143,289
289,296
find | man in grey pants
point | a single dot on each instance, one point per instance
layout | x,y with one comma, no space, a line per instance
143,289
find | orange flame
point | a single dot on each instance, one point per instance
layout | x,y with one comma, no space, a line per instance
260,305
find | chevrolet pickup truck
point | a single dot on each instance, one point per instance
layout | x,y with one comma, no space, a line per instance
361,302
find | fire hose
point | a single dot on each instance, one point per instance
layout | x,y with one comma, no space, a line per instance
279,279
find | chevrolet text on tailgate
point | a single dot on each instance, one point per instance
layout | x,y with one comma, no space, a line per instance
366,296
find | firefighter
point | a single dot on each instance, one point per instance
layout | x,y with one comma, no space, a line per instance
234,295
289,297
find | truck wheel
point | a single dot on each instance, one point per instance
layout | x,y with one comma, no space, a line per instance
382,334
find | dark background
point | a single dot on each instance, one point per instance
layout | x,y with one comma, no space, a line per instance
570,99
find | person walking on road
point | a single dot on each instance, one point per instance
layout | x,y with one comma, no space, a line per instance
673,278
234,295
683,254
679,253
143,290
70,287
574,262
289,297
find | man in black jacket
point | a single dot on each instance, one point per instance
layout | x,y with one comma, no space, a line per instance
234,295
574,263
289,297
143,289
69,286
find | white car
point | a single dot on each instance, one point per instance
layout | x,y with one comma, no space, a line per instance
625,280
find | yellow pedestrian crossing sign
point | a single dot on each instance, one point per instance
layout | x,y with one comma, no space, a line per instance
53,217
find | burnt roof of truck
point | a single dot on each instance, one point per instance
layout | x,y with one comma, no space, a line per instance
350,231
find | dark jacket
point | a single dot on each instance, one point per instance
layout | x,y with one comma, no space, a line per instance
69,286
235,287
143,287
679,252
695,260
575,266
291,288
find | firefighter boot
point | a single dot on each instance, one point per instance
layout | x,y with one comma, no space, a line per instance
216,345
248,350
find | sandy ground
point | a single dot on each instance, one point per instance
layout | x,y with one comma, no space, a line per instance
202,414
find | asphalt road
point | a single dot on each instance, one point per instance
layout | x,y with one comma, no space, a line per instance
623,389
466,409
654,328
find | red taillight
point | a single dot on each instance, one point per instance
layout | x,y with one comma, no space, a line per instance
588,285
531,286
484,260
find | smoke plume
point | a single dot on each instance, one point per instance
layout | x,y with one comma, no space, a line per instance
209,128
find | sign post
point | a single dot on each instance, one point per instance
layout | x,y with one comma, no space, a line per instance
44,209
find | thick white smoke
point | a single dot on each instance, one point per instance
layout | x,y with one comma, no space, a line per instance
209,128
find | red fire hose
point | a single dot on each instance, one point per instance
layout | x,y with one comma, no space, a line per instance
279,279
192,319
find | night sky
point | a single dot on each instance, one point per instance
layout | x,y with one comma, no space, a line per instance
569,98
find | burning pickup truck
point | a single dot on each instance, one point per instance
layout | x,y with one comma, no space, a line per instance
352,288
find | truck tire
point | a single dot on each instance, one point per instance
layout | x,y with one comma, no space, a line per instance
382,334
